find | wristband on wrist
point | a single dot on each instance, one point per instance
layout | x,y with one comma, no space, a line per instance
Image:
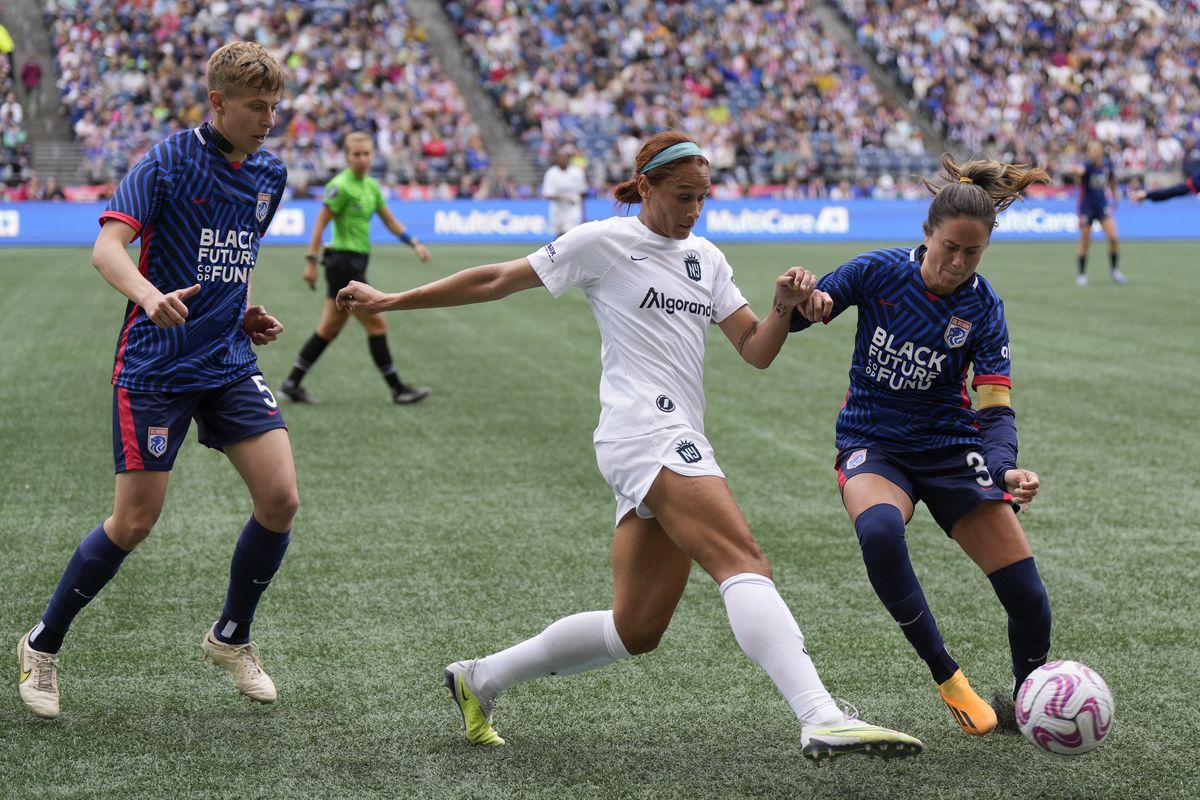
309,257
408,240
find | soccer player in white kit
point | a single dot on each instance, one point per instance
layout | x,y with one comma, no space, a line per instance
564,185
654,288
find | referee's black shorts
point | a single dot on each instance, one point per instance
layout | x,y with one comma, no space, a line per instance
341,267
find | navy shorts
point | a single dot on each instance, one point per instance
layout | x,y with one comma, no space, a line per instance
149,427
1093,212
341,267
951,481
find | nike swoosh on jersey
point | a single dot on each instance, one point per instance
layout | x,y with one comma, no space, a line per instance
199,200
635,258
883,302
272,413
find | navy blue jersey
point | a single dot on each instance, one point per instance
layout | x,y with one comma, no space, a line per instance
912,351
1094,183
200,218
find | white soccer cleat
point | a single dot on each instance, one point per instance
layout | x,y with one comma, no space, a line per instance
855,736
1081,280
1119,277
38,679
243,662
476,713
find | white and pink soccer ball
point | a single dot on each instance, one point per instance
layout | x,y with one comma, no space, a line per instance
1064,707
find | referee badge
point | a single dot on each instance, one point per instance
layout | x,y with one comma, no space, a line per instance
264,204
156,441
956,332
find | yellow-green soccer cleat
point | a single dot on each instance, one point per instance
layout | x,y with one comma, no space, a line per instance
973,715
476,715
855,736
243,662
38,679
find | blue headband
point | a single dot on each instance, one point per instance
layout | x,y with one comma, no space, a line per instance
673,153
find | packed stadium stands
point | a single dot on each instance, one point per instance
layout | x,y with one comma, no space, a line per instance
779,95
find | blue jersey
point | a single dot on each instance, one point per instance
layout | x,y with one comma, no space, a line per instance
912,351
1094,183
200,218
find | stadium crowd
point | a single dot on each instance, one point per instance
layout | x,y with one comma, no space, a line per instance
350,64
773,96
1032,80
782,107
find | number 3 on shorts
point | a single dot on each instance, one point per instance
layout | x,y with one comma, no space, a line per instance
261,383
976,462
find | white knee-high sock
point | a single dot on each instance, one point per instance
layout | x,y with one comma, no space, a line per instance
766,630
572,644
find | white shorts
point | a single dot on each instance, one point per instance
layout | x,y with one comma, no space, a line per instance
631,465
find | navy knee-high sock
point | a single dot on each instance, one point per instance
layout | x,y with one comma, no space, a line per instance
880,532
256,559
1024,597
93,564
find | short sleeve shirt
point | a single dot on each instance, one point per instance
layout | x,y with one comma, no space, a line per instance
654,299
201,219
353,201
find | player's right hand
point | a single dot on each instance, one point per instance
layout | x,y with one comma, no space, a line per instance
168,310
1137,195
310,275
818,306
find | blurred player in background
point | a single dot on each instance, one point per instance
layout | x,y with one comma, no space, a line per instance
1190,186
201,201
655,288
907,432
351,199
565,186
1097,183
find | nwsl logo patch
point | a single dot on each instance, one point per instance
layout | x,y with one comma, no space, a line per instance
156,441
691,260
264,204
688,451
956,332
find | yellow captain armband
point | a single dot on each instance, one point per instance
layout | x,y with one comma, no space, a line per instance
992,394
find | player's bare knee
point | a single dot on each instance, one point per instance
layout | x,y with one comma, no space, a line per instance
277,510
643,639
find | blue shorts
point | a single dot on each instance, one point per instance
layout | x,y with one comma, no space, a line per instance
951,481
149,427
1093,212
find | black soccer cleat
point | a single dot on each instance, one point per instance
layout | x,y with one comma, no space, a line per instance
297,394
406,395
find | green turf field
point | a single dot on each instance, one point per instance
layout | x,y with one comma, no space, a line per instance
456,527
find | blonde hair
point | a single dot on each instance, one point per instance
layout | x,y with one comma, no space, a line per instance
242,67
980,189
357,136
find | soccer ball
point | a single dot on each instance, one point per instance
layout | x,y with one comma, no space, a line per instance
1064,707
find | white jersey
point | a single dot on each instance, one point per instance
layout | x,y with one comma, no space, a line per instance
653,298
568,185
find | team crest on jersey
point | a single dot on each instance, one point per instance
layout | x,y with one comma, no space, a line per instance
688,451
691,260
665,403
264,204
856,459
956,332
156,440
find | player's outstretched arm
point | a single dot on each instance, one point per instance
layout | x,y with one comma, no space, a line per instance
759,340
111,260
475,285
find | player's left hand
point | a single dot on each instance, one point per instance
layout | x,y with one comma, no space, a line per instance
260,326
1023,485
794,286
421,251
358,296
1137,196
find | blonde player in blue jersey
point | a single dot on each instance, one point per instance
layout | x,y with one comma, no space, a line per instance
655,289
1097,201
908,432
200,201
